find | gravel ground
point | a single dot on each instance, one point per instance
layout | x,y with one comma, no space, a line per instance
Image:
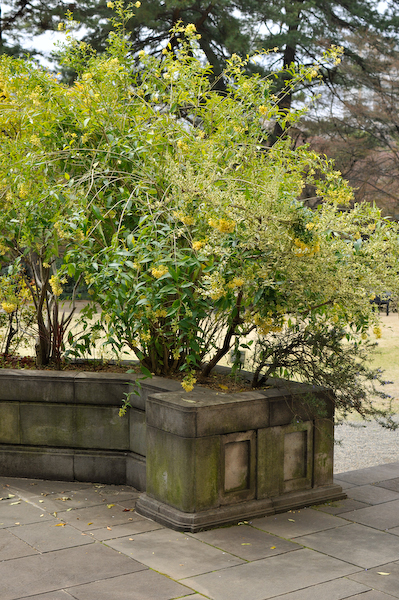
364,445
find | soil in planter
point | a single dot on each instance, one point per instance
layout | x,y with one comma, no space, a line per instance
216,381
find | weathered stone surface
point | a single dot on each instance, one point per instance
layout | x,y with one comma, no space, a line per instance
38,463
9,423
137,437
36,386
183,471
205,412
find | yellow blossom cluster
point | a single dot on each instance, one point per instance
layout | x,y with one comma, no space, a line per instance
235,283
160,313
160,271
265,325
186,219
9,307
188,382
55,285
180,144
222,225
198,244
190,29
377,331
145,337
302,249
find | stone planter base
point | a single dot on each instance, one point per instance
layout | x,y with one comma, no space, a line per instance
204,458
215,458
223,515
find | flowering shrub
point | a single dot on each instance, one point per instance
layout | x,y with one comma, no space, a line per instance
186,225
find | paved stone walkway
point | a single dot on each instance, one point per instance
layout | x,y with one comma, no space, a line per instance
83,541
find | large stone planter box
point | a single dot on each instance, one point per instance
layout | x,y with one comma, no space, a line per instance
203,458
65,425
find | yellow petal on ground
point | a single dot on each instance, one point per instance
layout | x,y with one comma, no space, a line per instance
90,523
272,547
245,544
110,505
223,387
11,503
293,520
382,573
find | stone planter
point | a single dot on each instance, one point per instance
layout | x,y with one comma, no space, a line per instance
203,458
65,425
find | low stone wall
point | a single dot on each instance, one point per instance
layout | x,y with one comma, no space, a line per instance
65,425
204,458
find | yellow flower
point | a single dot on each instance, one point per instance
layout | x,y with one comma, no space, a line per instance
55,285
110,5
158,272
138,4
8,307
188,382
197,245
236,282
263,110
61,26
309,226
222,225
190,29
377,331
186,219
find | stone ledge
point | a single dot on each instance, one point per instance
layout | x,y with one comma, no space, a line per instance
73,464
225,515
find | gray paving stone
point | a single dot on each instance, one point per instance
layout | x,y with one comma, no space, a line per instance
96,517
344,484
12,547
372,494
338,589
39,486
269,577
18,512
61,569
389,584
361,546
298,522
389,484
246,542
382,516
370,474
58,595
138,525
371,595
173,553
48,536
71,499
144,585
340,506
